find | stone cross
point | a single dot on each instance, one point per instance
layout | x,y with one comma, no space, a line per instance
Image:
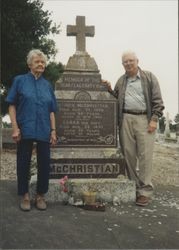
80,31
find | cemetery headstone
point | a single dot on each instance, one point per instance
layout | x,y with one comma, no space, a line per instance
167,126
86,120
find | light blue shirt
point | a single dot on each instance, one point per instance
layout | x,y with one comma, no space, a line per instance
134,96
34,100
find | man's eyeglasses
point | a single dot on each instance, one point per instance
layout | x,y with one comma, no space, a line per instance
128,61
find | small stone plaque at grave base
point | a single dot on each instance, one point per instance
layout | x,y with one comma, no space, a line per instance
86,168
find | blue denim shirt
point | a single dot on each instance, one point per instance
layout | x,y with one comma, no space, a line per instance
34,100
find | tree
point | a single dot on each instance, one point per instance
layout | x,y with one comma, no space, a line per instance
25,25
176,119
162,121
53,72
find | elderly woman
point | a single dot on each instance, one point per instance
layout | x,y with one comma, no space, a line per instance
31,108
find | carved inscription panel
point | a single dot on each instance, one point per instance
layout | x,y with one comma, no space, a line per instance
79,82
86,123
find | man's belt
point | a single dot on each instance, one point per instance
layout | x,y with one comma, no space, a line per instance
135,112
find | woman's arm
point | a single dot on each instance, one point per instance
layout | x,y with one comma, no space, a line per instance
16,134
53,137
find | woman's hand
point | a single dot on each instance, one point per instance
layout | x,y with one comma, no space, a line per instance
16,135
53,138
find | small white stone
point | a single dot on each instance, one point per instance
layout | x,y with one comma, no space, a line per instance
71,200
116,201
109,229
160,223
78,203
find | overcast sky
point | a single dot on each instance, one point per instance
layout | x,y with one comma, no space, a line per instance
150,28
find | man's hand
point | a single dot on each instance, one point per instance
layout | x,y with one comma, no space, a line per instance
152,126
107,84
53,138
16,135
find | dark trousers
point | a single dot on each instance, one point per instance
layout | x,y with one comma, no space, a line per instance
24,153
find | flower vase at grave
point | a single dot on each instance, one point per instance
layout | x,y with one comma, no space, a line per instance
89,197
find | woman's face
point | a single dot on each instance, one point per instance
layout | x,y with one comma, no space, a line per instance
37,65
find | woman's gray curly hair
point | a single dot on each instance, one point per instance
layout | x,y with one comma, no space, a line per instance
35,52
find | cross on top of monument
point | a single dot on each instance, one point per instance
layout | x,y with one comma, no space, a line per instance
80,31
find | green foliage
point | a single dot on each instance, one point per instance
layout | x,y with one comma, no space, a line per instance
6,125
176,119
172,127
53,72
24,25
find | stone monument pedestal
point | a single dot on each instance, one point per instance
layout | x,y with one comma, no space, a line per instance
110,190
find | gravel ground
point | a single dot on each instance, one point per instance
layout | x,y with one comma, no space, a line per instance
165,164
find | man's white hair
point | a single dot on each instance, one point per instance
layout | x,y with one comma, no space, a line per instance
129,52
35,52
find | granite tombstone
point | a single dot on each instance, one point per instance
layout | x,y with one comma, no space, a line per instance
86,120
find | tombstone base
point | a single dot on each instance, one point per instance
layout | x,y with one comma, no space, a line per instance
107,190
86,163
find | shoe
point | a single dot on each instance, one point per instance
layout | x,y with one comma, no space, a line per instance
142,200
25,204
40,203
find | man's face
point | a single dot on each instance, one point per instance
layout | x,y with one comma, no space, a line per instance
37,65
130,63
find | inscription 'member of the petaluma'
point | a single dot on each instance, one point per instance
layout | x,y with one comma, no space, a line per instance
79,82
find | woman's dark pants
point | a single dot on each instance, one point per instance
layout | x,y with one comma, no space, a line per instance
24,153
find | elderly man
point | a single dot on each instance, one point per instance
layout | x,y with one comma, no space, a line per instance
140,106
31,108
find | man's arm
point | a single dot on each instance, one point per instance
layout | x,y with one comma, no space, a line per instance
108,86
157,103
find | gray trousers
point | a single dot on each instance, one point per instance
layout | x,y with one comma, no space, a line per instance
137,146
